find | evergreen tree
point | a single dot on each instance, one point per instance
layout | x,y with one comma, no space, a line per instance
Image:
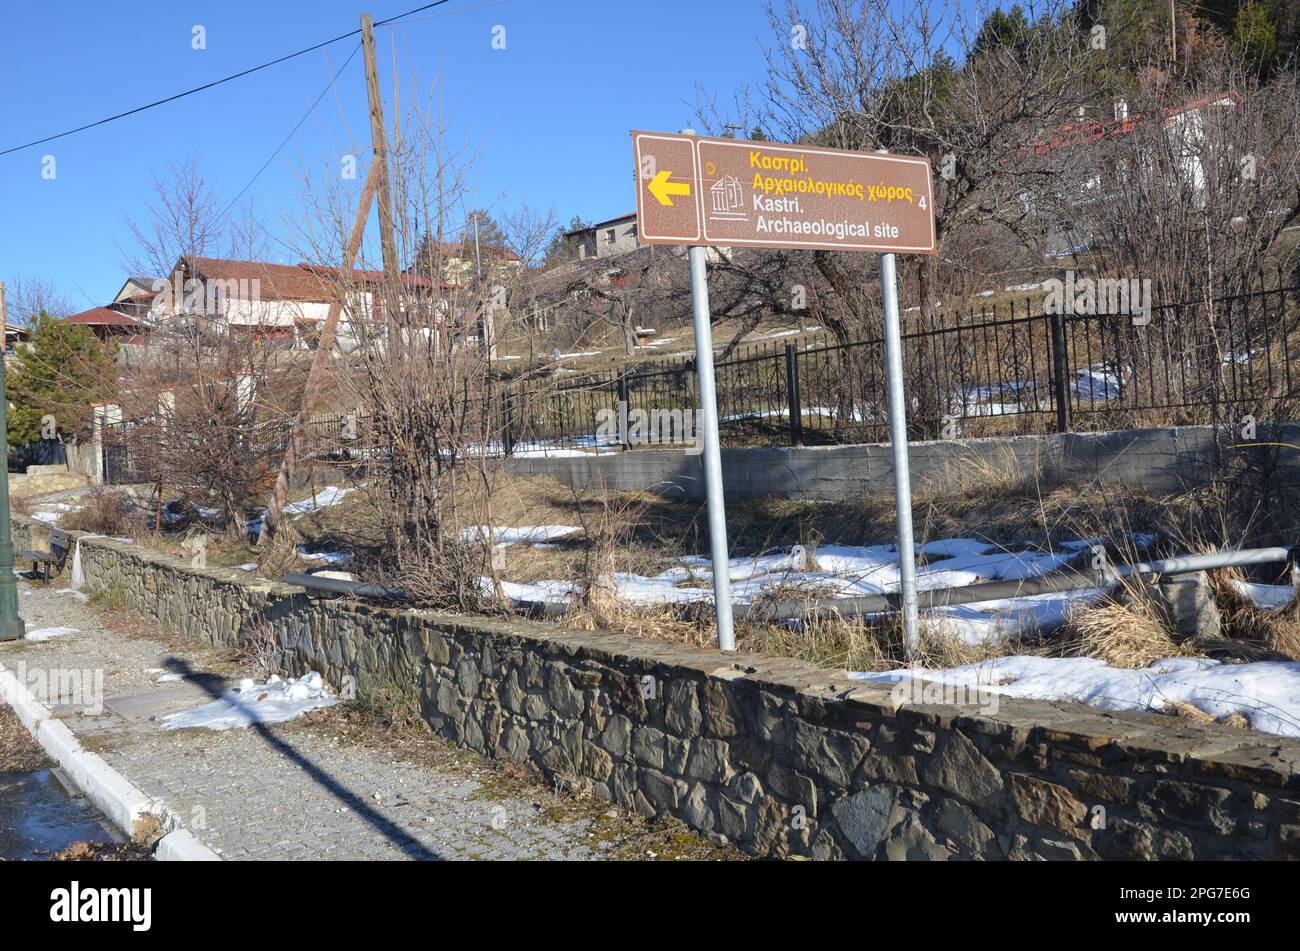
1254,35
559,250
61,373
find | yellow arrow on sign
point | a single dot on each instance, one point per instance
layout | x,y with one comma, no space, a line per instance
663,189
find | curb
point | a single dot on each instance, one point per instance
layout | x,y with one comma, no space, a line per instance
120,800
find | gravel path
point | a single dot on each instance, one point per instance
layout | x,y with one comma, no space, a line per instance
287,791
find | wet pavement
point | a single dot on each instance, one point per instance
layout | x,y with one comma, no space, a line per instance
39,815
40,812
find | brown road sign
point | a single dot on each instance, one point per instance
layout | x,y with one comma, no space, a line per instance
694,190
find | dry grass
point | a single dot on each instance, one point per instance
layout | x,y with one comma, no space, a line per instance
988,500
258,650
280,555
1249,632
1131,633
105,511
23,505
855,643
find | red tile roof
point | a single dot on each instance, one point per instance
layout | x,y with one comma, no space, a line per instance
101,317
1090,130
301,282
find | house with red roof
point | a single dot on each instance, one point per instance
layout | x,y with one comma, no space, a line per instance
108,323
282,305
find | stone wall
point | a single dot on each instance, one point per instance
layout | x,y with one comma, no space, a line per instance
1158,460
778,756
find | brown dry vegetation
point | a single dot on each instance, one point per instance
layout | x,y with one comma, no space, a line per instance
645,533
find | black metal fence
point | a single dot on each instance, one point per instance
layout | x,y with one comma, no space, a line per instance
1019,370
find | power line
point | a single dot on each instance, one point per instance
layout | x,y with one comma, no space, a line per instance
292,132
218,82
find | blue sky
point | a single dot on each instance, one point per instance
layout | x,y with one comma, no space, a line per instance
550,113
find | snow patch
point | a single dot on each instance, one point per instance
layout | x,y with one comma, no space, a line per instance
511,535
1266,597
1266,693
328,557
330,495
272,702
45,633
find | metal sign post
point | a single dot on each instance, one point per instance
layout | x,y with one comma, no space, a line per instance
898,444
712,456
709,192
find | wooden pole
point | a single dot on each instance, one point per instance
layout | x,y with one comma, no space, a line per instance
275,504
379,142
377,184
1173,34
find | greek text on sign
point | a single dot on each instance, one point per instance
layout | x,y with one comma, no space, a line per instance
694,190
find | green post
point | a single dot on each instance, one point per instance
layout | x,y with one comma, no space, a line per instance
11,625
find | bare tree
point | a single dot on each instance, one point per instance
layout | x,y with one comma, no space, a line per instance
29,297
421,365
922,79
203,398
1193,186
183,220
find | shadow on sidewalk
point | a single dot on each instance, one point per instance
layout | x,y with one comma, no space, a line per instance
408,844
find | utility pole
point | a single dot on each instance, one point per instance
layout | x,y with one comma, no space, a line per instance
11,625
1173,33
324,346
376,184
488,328
379,144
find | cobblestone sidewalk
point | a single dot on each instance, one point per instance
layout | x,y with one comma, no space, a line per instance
287,791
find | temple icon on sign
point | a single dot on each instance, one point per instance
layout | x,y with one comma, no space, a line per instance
727,199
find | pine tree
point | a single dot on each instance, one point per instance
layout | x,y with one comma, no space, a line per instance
62,372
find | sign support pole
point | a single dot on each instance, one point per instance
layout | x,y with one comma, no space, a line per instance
712,457
898,443
802,196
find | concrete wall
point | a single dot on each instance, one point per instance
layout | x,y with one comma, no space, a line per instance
1159,460
778,756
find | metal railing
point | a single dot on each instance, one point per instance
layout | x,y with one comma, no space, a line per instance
1010,371
1016,370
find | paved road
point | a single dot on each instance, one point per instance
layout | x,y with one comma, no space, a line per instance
288,791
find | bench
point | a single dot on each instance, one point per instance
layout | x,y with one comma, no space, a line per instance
43,561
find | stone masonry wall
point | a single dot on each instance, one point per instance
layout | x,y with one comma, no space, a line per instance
778,756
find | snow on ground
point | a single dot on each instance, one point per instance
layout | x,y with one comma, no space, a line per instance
1267,693
272,702
520,533
846,571
330,495
52,512
45,633
1266,597
160,676
558,452
328,557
